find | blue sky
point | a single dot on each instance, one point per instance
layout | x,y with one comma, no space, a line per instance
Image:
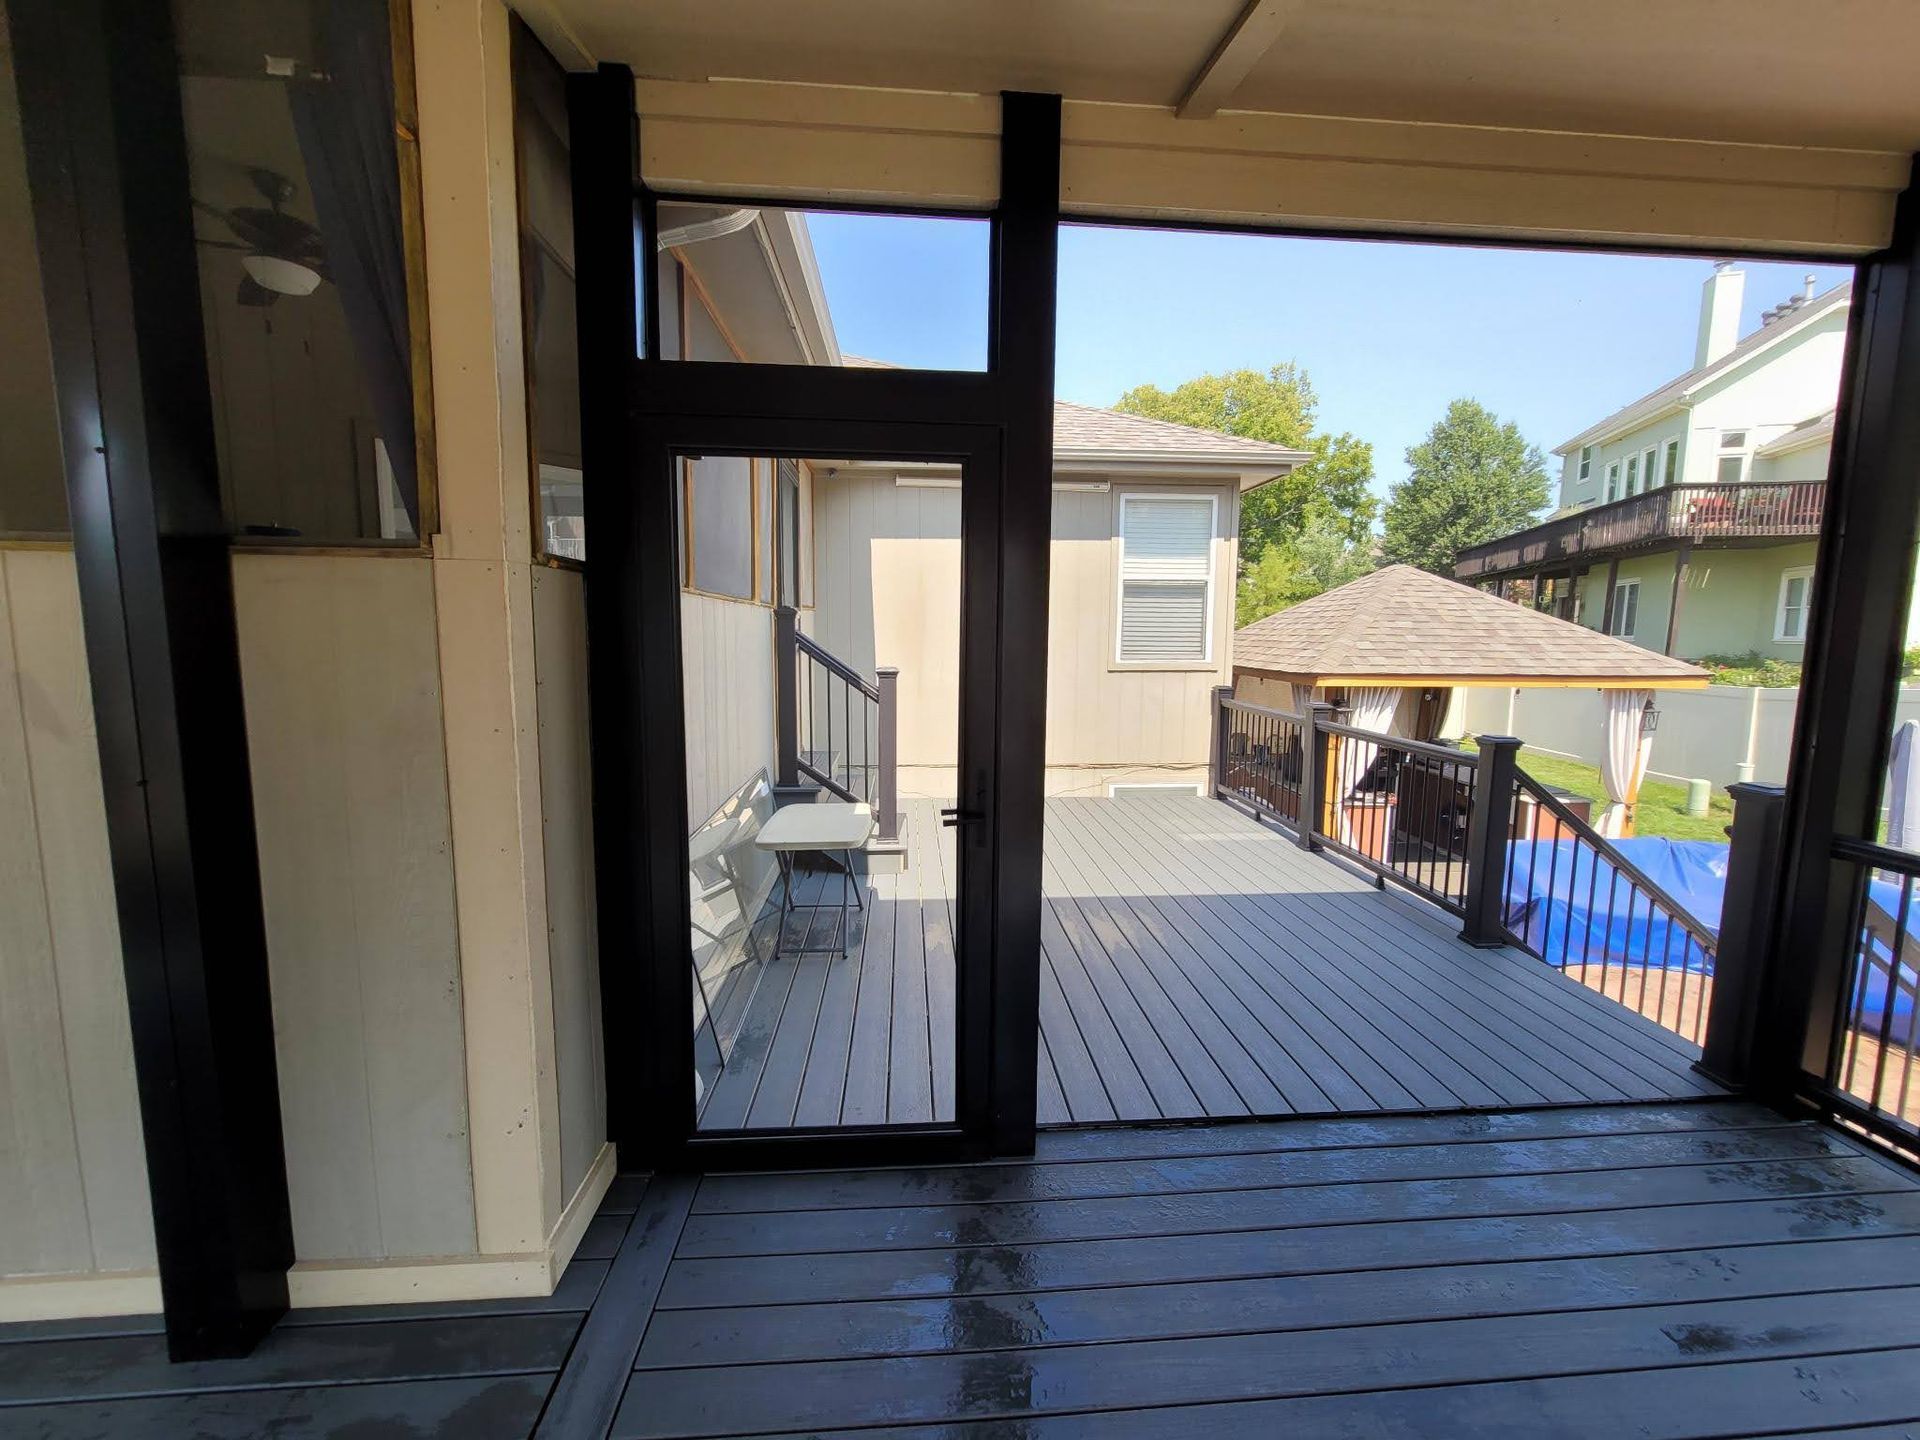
1389,333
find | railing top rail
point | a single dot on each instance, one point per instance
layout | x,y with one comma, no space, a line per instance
839,667
1467,759
1881,857
1247,707
1569,821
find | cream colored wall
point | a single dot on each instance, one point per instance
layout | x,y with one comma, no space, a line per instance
73,1182
889,594
340,664
566,812
726,650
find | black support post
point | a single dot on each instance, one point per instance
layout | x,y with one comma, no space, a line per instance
107,167
1842,730
633,635
1743,962
1484,923
1217,741
1318,753
1027,237
1682,562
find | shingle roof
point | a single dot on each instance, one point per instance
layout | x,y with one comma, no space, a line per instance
1083,432
1403,622
1810,431
1676,390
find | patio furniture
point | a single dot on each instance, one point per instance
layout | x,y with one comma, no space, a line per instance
826,829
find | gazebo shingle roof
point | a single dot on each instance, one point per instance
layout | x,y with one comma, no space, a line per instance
1400,624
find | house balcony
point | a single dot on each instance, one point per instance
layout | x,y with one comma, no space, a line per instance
1711,515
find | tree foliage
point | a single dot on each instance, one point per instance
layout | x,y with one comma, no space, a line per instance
1472,479
1279,407
1303,563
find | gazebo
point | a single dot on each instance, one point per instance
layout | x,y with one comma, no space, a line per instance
1395,646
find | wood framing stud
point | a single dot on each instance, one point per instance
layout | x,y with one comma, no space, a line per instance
1233,59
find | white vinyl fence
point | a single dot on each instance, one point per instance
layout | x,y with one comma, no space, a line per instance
1711,733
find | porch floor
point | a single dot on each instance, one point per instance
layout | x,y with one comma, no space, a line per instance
1663,1271
1195,964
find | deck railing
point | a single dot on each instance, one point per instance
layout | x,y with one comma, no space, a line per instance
833,726
1474,834
1872,1059
1572,898
1764,510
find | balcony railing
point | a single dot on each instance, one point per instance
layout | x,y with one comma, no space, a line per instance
1679,512
833,727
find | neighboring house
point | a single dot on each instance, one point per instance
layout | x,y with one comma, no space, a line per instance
1687,519
1145,519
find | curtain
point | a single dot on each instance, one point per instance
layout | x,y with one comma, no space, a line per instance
343,120
1300,699
1373,708
1624,764
1453,716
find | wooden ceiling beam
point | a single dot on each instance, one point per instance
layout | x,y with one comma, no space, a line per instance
1240,49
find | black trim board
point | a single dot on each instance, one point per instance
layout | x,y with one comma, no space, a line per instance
107,166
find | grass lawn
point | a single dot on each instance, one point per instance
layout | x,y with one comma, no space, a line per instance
1662,809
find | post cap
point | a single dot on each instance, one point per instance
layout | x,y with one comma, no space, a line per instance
1754,790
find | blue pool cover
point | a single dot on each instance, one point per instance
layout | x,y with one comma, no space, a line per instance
1571,907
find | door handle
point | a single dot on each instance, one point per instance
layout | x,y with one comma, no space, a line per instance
953,817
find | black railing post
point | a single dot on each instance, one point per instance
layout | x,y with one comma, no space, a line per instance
1487,826
1217,748
786,700
1743,960
1313,773
886,688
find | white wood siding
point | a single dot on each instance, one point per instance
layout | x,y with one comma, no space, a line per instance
726,650
888,562
340,668
566,813
73,1179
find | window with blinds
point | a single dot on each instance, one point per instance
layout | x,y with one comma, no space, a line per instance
1166,578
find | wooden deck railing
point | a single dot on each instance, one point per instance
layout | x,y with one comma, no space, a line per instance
1473,833
833,726
1767,510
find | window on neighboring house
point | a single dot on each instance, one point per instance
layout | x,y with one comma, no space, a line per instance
1648,463
1586,463
1733,458
1166,579
1613,481
1670,471
743,528
1626,608
1796,591
1633,475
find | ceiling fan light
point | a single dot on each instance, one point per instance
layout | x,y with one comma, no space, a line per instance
283,277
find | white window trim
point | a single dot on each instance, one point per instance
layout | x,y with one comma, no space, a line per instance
1115,660
1584,465
1620,609
1613,481
1670,463
1650,468
1792,573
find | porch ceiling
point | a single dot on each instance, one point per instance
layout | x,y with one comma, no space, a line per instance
1754,71
1723,128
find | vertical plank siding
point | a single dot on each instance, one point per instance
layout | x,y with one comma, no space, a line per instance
73,1184
726,651
340,665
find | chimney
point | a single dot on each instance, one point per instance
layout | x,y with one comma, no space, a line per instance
1720,301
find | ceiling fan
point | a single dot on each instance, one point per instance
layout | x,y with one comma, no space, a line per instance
282,254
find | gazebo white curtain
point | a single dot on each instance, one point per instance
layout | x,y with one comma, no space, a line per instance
1302,700
1623,765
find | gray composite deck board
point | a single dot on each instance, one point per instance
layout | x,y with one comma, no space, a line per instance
1194,964
1675,1269
1559,1266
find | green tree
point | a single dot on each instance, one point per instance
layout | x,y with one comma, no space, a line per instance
1315,558
1279,407
1472,479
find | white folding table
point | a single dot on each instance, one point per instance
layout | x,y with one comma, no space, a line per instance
826,829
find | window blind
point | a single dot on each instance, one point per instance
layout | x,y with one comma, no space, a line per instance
1166,571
